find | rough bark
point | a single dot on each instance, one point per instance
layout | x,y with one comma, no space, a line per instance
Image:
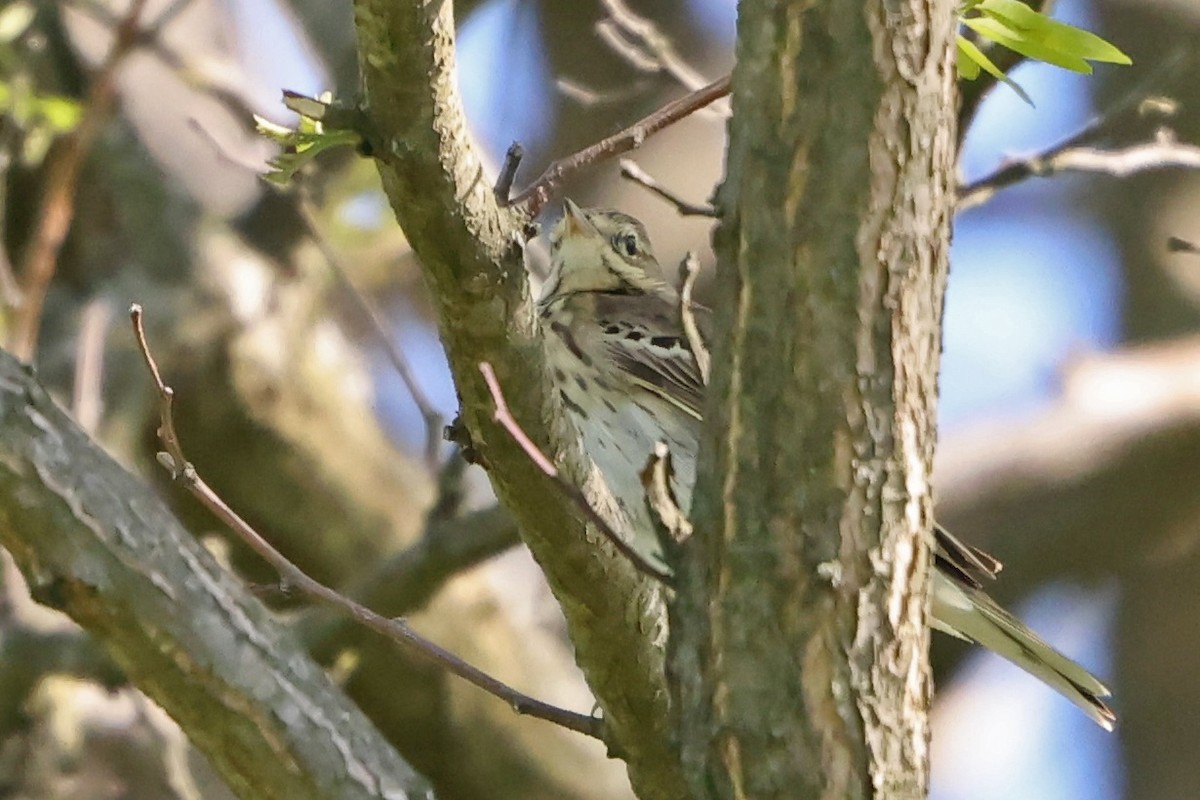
93,541
470,250
802,640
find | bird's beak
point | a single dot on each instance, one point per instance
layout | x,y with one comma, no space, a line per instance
576,223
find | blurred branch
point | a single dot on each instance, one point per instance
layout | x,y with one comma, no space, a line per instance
35,642
1071,154
587,96
10,290
1063,491
535,197
644,47
213,82
432,419
58,200
1177,244
87,388
1165,152
406,582
294,579
95,542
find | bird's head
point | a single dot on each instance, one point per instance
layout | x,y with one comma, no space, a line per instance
600,250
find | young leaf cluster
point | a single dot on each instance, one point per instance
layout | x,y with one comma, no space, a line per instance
1014,25
309,139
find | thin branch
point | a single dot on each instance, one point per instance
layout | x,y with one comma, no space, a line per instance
201,77
631,170
296,580
534,198
1070,152
58,206
646,48
504,416
432,419
1162,153
587,97
10,290
690,270
629,52
406,581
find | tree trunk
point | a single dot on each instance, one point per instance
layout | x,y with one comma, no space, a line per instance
800,639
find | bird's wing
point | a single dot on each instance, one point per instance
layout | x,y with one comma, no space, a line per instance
644,335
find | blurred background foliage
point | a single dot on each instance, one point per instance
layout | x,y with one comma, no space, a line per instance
1070,407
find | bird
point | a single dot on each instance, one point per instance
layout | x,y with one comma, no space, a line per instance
618,356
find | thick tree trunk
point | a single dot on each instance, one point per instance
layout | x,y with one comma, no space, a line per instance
801,642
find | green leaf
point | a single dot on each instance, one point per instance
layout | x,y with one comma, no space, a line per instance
61,114
1051,33
1000,33
1016,26
971,60
300,146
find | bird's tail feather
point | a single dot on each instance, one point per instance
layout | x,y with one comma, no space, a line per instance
971,614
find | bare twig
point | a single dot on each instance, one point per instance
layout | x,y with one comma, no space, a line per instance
1072,153
534,198
215,83
432,419
1162,153
508,172
166,397
639,42
296,580
631,170
87,397
407,580
504,416
689,270
58,206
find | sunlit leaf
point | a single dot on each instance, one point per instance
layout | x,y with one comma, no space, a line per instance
60,113
1052,33
971,60
1018,27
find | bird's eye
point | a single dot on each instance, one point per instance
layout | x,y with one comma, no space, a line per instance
626,243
